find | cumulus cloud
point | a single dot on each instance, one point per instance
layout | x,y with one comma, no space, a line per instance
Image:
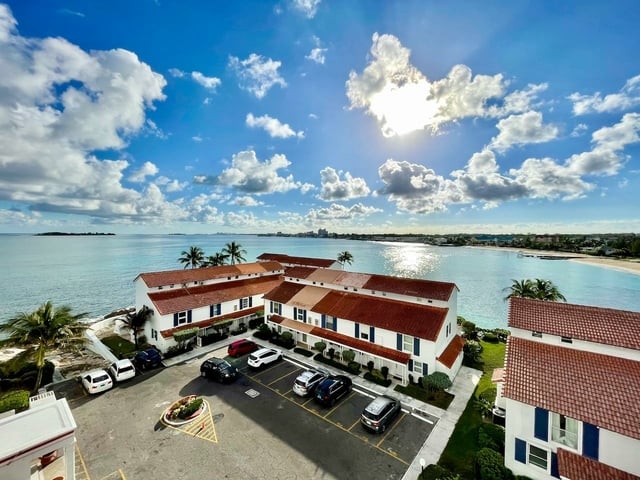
579,130
308,8
317,55
210,83
334,188
273,126
545,178
403,99
147,170
339,212
249,175
171,185
628,97
177,73
246,201
257,74
522,129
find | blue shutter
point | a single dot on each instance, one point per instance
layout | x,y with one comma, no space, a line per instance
304,316
211,310
270,307
189,316
295,313
541,425
521,451
372,334
410,365
590,440
399,341
554,465
416,346
250,301
335,324
175,319
357,332
218,308
324,321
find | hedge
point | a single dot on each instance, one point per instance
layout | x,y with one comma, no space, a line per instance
17,400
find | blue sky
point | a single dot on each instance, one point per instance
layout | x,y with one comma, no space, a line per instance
165,116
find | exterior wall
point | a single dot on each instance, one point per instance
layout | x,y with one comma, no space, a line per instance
620,451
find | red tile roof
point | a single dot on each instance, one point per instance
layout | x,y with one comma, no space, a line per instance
283,292
298,272
189,276
168,333
423,321
303,261
576,467
599,389
619,328
451,353
293,324
361,345
181,299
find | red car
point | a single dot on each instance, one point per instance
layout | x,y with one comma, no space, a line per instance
241,347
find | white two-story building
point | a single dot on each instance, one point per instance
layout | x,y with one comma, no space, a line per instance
404,324
572,391
211,299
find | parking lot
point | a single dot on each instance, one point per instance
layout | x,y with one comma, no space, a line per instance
258,428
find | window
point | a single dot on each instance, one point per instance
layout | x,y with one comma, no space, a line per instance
215,309
407,343
364,336
244,302
536,334
301,314
417,367
304,338
564,430
329,324
566,339
538,457
182,317
276,308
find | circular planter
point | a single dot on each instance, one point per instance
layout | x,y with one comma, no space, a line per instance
182,421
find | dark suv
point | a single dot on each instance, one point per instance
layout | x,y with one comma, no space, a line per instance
331,389
148,358
219,370
380,413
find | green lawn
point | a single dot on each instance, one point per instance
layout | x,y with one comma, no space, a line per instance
121,348
459,454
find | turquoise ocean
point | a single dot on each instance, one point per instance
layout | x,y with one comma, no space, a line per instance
95,274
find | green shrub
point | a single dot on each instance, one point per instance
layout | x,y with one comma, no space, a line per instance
370,365
286,336
120,347
472,350
491,436
17,400
490,466
436,472
191,408
469,329
436,381
376,379
490,337
303,351
256,322
320,346
348,356
353,367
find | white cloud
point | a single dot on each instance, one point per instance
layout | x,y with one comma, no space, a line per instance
171,185
148,169
579,130
73,13
339,212
628,97
152,129
403,100
197,138
317,55
246,201
210,83
257,74
308,7
544,178
177,73
273,126
522,129
333,188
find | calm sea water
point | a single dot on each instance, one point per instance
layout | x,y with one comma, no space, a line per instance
95,274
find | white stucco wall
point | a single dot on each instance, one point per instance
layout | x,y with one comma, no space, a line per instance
620,451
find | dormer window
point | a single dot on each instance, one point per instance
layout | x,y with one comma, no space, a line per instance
536,334
566,339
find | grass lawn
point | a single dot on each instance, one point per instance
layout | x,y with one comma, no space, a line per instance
121,347
438,399
459,454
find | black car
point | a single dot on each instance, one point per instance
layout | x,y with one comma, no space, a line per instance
332,388
380,413
219,370
149,358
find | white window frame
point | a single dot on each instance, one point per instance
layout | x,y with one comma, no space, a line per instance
417,367
300,314
329,322
182,317
364,336
277,308
407,340
244,303
535,455
565,430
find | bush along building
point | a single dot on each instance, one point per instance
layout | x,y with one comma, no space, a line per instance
572,391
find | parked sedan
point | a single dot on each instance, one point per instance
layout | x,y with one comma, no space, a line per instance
332,389
264,357
96,381
122,370
219,370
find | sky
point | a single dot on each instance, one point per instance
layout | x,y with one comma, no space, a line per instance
372,116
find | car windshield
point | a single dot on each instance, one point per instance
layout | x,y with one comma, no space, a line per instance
224,365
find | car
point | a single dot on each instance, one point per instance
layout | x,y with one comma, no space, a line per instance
380,413
121,370
332,389
96,381
306,383
219,370
148,358
264,357
241,347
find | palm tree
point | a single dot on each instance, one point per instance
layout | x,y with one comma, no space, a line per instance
136,320
538,289
192,257
234,252
45,329
215,260
345,257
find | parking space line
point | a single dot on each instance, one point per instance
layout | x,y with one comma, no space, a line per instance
386,434
79,464
203,428
336,406
354,424
283,376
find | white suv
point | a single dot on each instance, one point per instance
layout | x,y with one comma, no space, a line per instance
307,381
264,356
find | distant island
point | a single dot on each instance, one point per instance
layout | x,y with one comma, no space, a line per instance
61,234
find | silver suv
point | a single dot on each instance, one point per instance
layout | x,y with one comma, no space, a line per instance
380,413
307,381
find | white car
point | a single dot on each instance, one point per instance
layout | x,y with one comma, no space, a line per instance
264,356
96,381
122,370
307,381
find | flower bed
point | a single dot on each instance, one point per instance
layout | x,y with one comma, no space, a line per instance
185,410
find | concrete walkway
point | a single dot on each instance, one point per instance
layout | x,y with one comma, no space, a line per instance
463,387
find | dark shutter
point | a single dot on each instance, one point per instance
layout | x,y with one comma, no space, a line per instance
410,365
590,440
399,341
416,346
335,324
323,319
211,310
250,301
218,308
240,304
521,451
357,332
541,425
189,316
304,316
175,319
270,307
372,334
295,313
554,465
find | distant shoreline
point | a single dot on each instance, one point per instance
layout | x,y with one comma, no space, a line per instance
627,266
64,234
